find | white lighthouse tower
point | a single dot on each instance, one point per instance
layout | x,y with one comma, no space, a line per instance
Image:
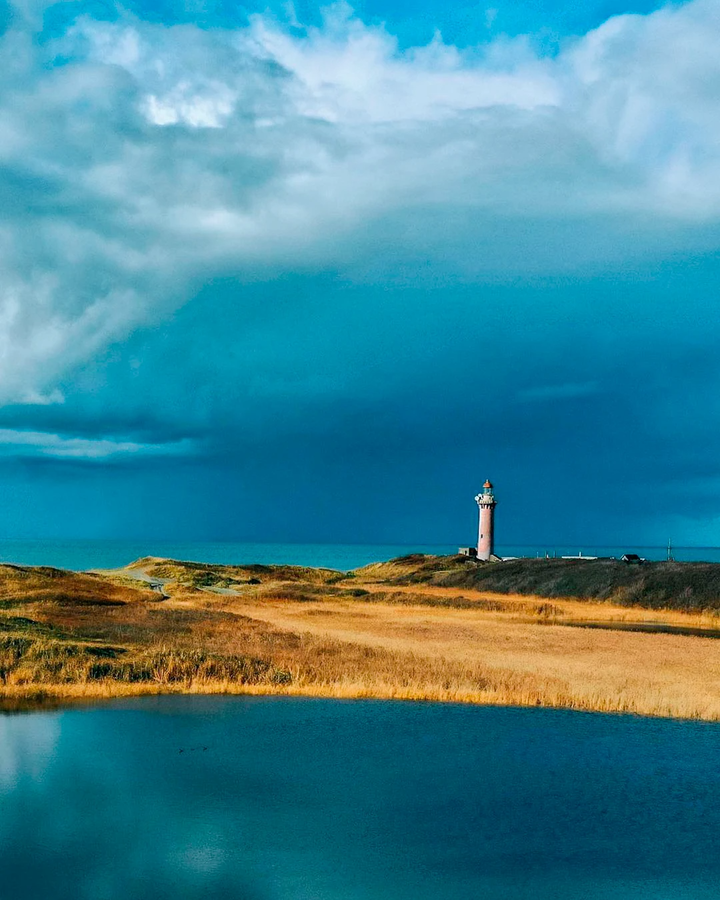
486,531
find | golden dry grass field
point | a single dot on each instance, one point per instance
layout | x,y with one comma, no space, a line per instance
66,636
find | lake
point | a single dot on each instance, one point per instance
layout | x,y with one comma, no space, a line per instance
299,799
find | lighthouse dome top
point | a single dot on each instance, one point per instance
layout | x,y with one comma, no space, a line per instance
487,484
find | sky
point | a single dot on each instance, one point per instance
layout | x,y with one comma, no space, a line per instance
276,272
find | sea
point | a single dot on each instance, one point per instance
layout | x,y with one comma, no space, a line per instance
81,555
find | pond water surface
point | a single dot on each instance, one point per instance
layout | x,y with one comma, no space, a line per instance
281,799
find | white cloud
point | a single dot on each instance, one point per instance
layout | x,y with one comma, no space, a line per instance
351,73
151,158
33,398
32,443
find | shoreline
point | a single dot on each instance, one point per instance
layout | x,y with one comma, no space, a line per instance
63,700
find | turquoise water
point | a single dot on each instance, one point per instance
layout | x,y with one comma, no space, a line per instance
81,555
101,554
281,799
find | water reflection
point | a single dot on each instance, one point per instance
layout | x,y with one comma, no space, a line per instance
272,799
26,752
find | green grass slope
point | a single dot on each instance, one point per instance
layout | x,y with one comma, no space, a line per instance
669,585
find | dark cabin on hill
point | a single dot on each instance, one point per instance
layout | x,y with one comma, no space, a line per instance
632,558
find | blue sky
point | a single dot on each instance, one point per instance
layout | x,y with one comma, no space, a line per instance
298,273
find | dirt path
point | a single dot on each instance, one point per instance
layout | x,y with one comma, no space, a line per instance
156,584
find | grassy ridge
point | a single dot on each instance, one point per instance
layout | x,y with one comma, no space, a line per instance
43,584
653,585
195,574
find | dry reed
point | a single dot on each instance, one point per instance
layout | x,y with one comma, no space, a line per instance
345,638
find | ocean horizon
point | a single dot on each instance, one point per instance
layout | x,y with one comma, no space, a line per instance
80,555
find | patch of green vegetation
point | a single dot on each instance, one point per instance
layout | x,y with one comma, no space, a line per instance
657,585
27,626
306,593
194,573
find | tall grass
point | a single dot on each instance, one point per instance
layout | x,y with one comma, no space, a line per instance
44,662
343,638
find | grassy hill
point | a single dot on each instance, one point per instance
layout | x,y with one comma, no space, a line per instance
655,585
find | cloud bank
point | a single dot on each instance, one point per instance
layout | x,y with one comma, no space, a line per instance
139,159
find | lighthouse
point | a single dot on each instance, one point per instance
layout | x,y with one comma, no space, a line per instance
486,536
